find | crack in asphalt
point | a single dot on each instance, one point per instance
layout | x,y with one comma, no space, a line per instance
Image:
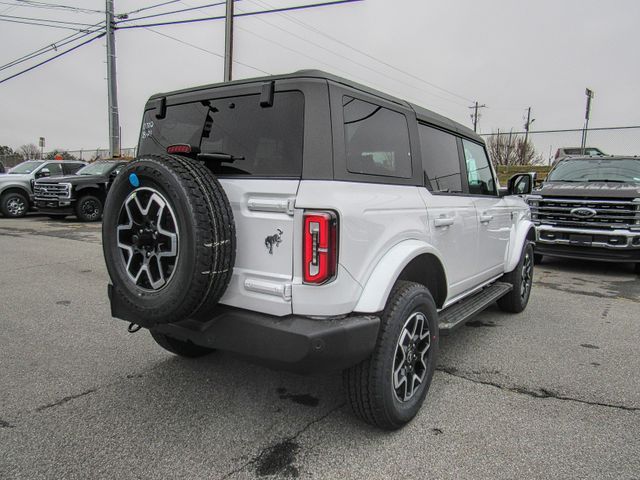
540,393
4,424
266,450
65,400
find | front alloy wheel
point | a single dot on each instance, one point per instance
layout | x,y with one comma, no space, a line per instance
147,234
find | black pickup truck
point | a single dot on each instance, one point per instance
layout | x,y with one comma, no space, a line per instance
82,194
589,208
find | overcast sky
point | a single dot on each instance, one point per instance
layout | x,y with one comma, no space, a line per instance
506,54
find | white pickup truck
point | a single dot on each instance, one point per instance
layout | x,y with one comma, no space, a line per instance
311,223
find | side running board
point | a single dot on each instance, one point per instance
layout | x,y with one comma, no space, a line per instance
458,313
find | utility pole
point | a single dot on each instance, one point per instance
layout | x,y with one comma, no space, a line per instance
114,121
228,41
475,116
590,94
527,125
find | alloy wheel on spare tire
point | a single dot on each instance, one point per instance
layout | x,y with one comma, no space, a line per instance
14,204
168,239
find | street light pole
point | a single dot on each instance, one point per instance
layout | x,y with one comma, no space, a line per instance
590,94
112,88
228,41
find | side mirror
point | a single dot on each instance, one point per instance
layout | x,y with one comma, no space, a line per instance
45,172
521,184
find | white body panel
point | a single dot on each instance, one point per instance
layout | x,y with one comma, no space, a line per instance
262,208
381,228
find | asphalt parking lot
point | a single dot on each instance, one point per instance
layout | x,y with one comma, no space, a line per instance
551,393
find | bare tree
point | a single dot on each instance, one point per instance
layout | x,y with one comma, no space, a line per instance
63,153
511,149
29,151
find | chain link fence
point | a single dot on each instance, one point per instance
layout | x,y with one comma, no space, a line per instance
92,155
612,141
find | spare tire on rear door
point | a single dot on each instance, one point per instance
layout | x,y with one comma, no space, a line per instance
168,238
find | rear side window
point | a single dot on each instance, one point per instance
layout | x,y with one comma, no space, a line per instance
55,169
270,139
440,159
376,140
71,168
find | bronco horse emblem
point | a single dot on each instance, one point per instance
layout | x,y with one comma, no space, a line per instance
272,240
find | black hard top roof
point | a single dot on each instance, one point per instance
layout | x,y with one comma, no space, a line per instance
423,114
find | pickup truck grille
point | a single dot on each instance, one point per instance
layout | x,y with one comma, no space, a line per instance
585,213
51,190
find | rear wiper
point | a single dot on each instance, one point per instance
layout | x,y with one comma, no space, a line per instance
219,157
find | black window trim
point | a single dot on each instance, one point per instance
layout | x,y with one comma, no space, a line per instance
464,174
341,172
235,91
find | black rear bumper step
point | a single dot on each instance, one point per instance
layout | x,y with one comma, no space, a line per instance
459,313
294,343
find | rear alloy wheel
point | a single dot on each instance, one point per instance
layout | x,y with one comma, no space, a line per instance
89,208
388,389
14,204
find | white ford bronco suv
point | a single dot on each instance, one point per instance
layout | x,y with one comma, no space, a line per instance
311,223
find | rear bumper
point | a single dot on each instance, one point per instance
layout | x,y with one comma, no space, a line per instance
294,343
587,244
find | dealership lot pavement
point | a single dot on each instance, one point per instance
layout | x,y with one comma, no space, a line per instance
552,392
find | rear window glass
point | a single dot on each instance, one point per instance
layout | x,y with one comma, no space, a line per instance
269,138
376,140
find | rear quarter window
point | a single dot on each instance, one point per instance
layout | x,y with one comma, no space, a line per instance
270,139
376,140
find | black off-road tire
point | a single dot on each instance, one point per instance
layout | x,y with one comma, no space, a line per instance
522,280
206,244
82,212
179,347
369,385
14,204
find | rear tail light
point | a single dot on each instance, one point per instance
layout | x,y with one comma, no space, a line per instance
320,248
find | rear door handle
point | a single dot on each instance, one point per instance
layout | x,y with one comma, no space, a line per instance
443,221
486,218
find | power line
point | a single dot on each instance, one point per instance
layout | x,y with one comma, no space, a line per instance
315,59
52,6
52,46
205,50
53,58
150,7
320,32
45,20
246,14
41,24
333,52
124,18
